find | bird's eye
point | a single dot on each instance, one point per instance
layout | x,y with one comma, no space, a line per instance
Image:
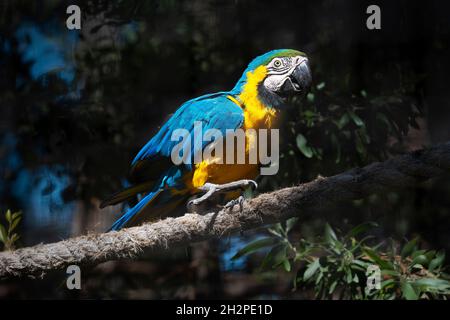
277,63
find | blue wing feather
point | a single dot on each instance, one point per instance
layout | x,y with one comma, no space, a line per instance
215,111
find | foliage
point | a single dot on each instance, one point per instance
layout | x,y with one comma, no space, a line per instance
332,131
336,267
8,236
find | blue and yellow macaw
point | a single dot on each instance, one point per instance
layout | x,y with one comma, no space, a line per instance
253,103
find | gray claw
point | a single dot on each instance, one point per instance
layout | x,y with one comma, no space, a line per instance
232,203
210,189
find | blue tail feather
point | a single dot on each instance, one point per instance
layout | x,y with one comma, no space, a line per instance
123,220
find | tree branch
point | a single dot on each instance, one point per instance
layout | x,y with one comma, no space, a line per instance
398,172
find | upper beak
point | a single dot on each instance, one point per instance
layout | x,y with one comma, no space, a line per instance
301,78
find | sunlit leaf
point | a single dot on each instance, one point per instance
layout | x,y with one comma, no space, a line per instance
356,119
363,227
280,256
432,285
253,246
3,234
420,259
320,86
286,265
15,237
343,121
15,223
290,223
332,287
437,262
16,214
377,259
302,146
409,248
391,273
311,270
349,277
417,253
330,235
387,283
8,216
408,291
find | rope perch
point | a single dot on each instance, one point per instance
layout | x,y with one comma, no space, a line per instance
398,172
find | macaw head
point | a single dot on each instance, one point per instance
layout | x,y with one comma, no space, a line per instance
276,75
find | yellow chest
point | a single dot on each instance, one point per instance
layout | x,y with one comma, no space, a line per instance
256,116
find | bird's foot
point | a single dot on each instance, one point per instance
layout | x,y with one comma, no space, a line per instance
210,189
232,203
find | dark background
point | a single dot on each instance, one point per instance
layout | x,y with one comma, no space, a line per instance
76,106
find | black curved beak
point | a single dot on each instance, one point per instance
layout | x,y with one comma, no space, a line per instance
299,81
301,78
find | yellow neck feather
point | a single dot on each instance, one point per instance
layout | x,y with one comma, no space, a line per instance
256,113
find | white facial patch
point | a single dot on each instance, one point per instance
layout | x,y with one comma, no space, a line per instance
279,71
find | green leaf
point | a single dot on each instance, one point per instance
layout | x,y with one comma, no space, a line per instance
417,253
363,227
16,214
8,216
409,248
360,145
309,114
349,277
381,117
330,235
343,121
280,256
15,237
359,265
432,285
287,265
318,278
378,260
301,145
391,273
290,223
408,291
420,259
276,230
437,262
336,144
311,270
363,134
253,246
387,283
275,233
332,287
15,223
356,119
430,255
320,86
269,257
3,234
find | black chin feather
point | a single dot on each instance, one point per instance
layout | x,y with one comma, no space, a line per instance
270,98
